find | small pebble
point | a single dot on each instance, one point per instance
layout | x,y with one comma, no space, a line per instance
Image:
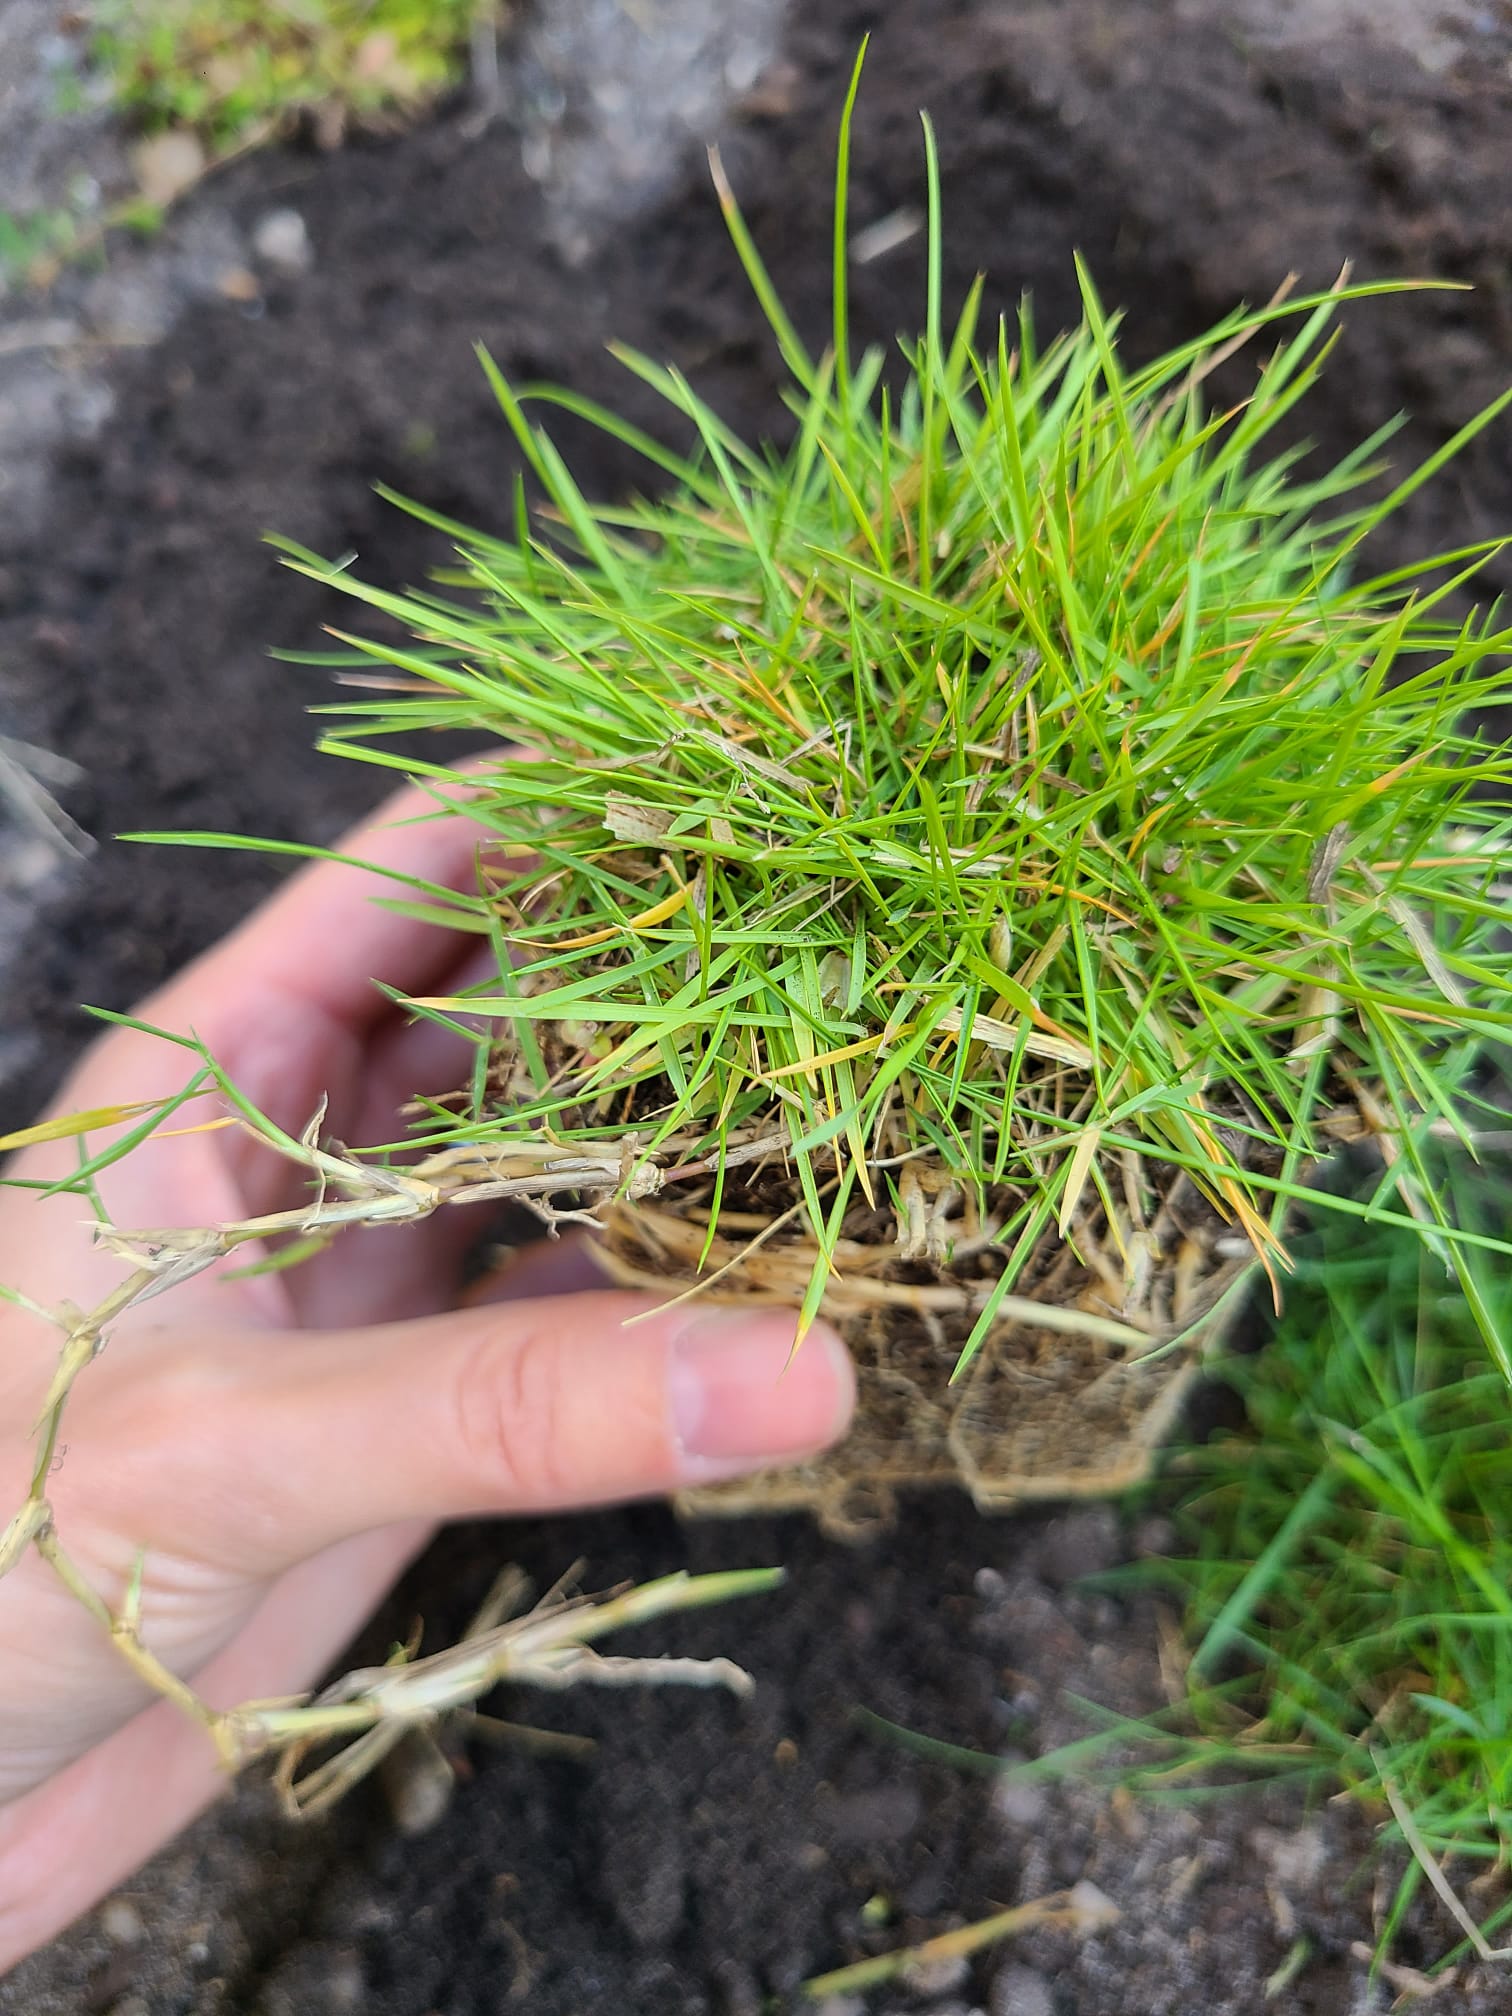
280,239
1077,1544
418,1782
85,408
940,1976
26,864
1095,1907
885,1813
927,1892
1294,1859
743,67
166,165
343,1985
1020,1802
1020,1991
1155,1537
121,1922
128,308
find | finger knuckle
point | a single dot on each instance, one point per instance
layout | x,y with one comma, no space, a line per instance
510,1415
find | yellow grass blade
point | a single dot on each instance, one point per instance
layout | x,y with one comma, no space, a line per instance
657,914
1005,1036
809,1066
201,1127
70,1125
1076,1177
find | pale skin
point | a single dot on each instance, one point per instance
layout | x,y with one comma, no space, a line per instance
282,1446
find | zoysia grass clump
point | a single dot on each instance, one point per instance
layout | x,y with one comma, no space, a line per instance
1020,768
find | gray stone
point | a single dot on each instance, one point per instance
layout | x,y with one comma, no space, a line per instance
1020,1802
885,1813
940,1976
1077,1544
281,240
1018,1990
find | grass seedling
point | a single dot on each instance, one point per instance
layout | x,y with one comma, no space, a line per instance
983,855
236,73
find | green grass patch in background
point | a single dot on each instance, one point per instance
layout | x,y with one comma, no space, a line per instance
1346,1561
219,76
1344,1565
229,69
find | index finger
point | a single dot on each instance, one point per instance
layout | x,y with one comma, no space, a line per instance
323,942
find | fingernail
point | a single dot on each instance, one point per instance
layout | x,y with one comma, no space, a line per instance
742,1399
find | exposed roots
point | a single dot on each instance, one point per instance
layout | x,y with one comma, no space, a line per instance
1078,1380
366,1712
1070,1395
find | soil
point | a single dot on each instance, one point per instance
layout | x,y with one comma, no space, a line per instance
712,1855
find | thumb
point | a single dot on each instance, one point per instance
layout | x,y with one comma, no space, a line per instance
509,1407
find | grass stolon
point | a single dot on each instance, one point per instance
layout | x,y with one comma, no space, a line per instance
980,860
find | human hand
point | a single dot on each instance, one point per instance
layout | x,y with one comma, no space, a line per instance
281,1445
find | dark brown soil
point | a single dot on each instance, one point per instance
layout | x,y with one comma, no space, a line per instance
710,1856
